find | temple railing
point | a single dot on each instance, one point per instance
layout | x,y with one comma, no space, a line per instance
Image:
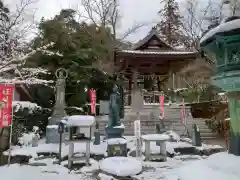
149,97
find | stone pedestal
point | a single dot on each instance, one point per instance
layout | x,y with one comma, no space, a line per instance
114,132
52,135
117,147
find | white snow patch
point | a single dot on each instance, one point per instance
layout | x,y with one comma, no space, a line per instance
208,146
90,169
156,137
52,126
227,26
20,105
26,138
18,172
113,141
220,166
105,177
121,126
173,135
121,166
54,148
80,120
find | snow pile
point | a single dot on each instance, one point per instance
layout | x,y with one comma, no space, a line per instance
221,166
156,137
172,135
121,166
80,120
26,138
113,141
21,105
90,169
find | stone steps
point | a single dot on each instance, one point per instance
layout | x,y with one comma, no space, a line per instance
149,118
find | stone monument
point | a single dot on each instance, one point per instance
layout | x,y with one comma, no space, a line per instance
115,128
52,135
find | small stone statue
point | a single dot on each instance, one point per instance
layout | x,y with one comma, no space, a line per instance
114,108
196,137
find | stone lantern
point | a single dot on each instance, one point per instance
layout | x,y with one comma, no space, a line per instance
222,45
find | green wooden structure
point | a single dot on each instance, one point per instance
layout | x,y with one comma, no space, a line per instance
222,45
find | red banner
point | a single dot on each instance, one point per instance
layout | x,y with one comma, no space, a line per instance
93,99
161,100
183,113
6,98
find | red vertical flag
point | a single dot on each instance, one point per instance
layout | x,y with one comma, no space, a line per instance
161,100
93,100
6,98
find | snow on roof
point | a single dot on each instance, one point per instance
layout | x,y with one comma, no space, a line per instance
227,119
156,137
222,93
158,52
81,120
121,166
227,26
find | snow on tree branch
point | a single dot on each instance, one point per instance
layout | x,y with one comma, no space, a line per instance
15,26
25,75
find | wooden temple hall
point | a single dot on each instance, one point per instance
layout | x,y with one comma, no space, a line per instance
152,65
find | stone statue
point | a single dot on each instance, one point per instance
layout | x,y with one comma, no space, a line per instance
114,108
52,135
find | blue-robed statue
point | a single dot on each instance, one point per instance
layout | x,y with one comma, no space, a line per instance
115,128
114,108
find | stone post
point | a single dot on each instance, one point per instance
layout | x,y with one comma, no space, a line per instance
52,135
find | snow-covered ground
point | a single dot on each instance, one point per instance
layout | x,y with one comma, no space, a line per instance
219,166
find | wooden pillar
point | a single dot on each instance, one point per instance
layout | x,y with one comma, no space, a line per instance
173,81
129,90
169,80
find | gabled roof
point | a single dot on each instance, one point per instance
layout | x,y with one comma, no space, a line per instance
153,34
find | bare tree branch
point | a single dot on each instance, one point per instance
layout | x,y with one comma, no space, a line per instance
106,13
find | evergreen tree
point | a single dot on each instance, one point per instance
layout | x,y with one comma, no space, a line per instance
170,24
4,18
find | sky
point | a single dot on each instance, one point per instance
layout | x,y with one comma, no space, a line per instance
132,12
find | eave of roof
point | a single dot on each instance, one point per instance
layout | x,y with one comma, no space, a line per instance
158,52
